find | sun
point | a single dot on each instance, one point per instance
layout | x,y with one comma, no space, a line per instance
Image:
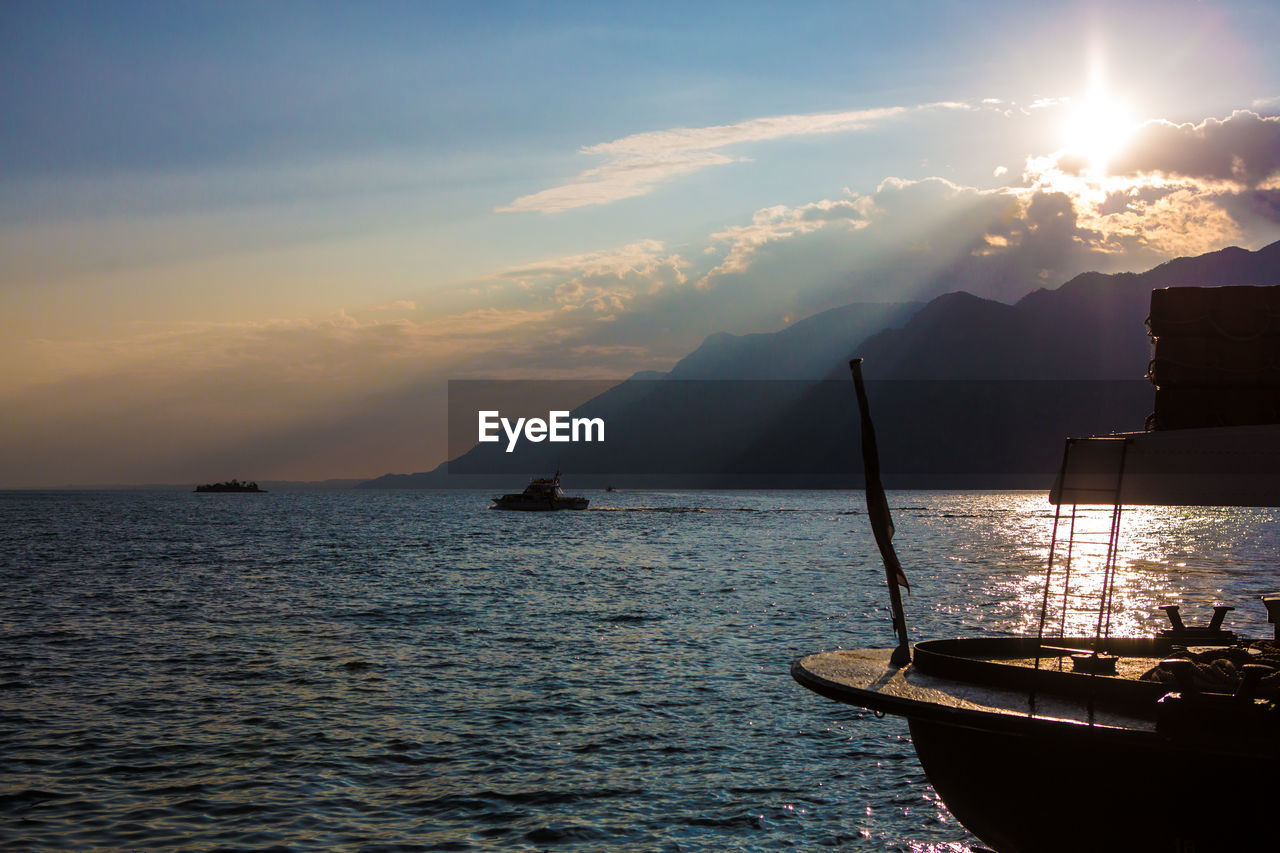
1097,128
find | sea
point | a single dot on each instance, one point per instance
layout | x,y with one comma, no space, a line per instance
386,671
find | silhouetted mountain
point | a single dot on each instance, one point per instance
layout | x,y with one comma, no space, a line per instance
644,415
803,350
1092,327
966,392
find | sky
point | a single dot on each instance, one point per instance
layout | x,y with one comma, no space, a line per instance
257,239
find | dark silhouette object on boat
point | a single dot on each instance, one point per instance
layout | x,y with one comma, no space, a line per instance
230,486
542,494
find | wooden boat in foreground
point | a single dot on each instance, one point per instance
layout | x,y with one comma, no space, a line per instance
1054,742
1054,760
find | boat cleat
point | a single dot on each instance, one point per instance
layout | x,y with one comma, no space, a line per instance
1272,602
1198,635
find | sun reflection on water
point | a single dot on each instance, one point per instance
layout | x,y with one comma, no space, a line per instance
1195,557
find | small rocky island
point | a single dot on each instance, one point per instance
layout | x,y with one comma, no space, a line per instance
230,486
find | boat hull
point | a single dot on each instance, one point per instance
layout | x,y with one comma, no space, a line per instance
522,504
1094,789
1083,764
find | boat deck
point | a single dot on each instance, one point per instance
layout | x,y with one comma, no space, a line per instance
1131,667
864,677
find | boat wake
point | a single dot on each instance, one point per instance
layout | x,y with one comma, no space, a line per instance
682,509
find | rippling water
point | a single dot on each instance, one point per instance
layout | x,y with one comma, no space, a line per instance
410,671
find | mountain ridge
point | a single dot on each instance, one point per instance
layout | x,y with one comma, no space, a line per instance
1089,329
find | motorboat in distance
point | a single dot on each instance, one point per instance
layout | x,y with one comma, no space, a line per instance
541,495
230,486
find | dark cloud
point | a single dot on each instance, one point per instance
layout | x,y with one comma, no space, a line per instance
1037,242
923,238
1244,149
1264,203
1259,208
1073,164
1050,222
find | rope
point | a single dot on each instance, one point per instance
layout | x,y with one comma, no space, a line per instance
1218,670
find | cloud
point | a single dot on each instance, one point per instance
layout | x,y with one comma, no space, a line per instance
912,239
1175,189
605,282
793,261
210,391
1243,150
780,223
638,163
624,177
643,254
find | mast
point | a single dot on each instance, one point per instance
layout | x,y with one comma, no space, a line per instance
881,520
